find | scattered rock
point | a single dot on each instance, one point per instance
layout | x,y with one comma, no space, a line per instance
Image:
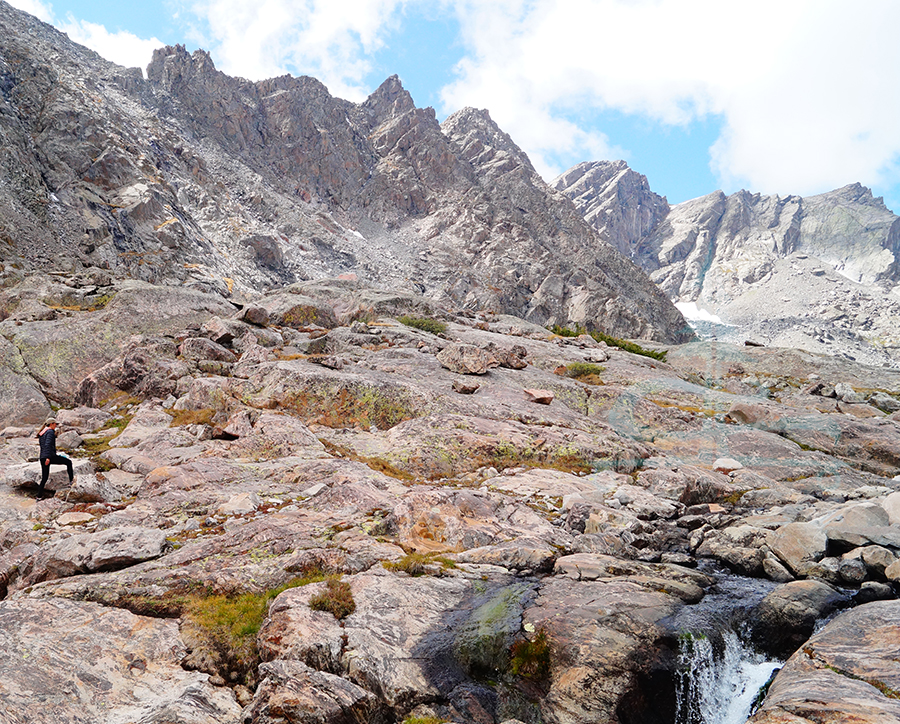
541,397
466,359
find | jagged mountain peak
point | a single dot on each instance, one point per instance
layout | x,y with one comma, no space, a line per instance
816,272
390,99
199,178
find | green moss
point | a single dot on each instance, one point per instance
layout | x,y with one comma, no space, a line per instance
424,323
482,644
735,497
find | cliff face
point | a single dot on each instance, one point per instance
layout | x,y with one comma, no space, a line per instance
815,272
193,177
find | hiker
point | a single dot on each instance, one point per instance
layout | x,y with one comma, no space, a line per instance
47,437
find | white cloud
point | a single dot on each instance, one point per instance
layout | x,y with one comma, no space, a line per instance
40,10
121,47
326,39
806,89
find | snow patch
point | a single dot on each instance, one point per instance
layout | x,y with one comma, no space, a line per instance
693,313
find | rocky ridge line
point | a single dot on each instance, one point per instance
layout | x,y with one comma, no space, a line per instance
819,273
196,178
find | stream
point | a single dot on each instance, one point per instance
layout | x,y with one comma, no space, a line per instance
720,674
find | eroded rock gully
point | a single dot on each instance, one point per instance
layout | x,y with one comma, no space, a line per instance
506,560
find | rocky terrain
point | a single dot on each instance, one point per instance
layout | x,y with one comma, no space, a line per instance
304,509
331,463
192,177
818,273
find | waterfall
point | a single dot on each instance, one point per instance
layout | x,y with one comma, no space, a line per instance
719,673
719,687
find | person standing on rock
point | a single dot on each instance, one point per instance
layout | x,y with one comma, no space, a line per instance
48,456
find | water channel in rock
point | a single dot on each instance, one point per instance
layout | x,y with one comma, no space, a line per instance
720,676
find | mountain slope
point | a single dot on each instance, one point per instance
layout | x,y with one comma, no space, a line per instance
816,272
194,177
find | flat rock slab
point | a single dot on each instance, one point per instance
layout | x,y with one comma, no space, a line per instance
105,550
29,474
848,672
67,662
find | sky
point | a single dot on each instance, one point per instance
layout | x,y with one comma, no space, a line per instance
774,96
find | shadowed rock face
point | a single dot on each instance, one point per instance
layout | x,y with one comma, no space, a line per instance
815,272
194,177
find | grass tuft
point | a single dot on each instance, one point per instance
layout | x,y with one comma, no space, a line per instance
424,323
191,417
531,659
336,599
624,344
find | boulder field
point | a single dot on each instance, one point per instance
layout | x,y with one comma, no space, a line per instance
341,504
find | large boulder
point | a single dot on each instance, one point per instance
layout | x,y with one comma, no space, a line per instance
70,661
467,359
785,618
848,672
102,551
798,545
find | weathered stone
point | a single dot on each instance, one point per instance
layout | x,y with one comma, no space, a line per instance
28,474
105,550
115,664
798,545
83,419
466,359
201,348
786,617
542,397
292,693
853,571
885,403
726,465
465,388
840,674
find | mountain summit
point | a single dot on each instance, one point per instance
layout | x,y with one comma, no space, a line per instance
818,273
193,177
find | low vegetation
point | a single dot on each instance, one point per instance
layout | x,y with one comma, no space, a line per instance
623,344
531,659
424,323
336,598
227,625
181,418
586,372
418,564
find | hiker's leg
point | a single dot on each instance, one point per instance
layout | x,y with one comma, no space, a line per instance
60,460
45,472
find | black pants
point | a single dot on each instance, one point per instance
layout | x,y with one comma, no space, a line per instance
55,460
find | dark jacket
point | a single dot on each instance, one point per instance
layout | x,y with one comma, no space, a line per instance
48,443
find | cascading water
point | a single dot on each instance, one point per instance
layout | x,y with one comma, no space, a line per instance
719,688
720,674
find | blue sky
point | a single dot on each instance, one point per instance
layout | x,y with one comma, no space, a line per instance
796,97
